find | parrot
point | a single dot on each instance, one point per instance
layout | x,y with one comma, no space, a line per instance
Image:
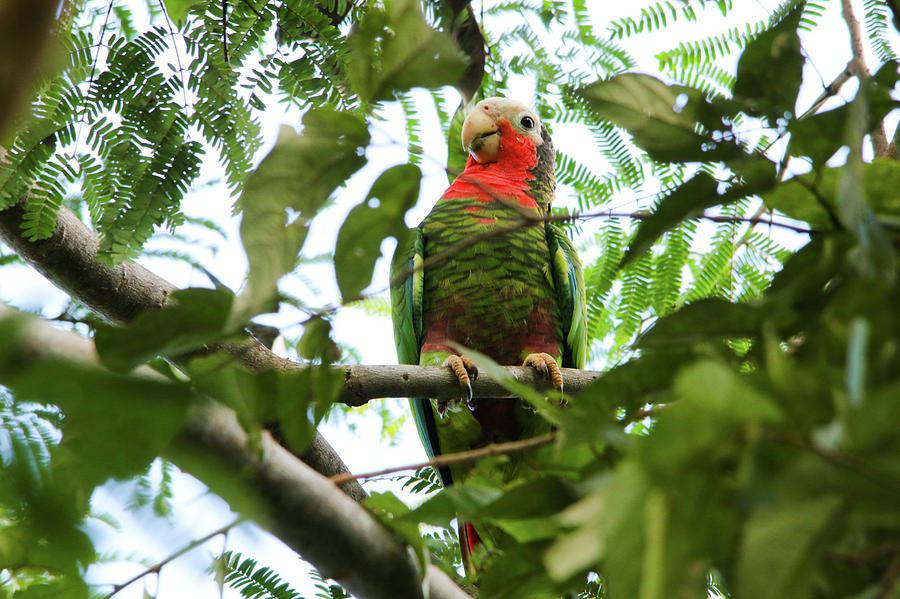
473,275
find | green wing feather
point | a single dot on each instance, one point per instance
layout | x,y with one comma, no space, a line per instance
568,282
408,278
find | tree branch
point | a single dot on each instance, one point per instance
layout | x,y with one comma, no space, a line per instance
470,40
858,67
362,383
119,293
24,24
461,457
158,566
270,485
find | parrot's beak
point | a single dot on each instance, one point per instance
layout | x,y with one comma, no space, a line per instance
481,134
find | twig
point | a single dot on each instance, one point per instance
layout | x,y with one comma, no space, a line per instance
528,222
857,64
753,220
155,568
830,90
225,30
457,458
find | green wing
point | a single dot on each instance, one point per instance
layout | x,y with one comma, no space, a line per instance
568,282
407,281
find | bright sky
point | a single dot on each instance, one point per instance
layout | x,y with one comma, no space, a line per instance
198,512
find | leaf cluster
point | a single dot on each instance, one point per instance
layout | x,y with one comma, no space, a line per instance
745,437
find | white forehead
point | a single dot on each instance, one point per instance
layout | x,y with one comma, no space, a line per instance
502,106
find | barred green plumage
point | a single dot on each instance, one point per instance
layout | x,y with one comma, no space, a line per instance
487,272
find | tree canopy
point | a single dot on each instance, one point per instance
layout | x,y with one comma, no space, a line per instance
740,244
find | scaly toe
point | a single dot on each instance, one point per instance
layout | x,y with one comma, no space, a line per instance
465,372
547,366
470,367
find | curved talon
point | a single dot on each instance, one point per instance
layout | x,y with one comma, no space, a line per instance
547,366
466,372
470,399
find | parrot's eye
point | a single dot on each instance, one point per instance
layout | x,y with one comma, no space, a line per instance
527,122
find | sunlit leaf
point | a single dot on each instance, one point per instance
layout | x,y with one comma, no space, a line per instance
191,318
379,216
287,190
395,49
664,119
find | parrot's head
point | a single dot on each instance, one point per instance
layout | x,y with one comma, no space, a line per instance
507,132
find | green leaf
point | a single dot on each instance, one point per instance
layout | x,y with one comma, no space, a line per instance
178,9
457,500
771,68
710,319
713,402
536,398
782,541
513,574
821,135
695,194
113,424
298,176
193,317
295,392
250,394
392,512
379,216
395,49
812,199
541,497
664,119
457,155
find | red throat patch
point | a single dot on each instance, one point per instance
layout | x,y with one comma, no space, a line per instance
506,178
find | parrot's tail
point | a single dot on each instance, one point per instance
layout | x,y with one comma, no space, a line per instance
468,541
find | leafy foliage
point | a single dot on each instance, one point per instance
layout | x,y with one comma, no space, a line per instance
254,582
744,438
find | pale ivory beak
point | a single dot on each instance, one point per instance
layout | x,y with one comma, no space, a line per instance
481,135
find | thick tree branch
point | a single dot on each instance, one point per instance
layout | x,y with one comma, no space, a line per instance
119,293
268,484
470,40
24,24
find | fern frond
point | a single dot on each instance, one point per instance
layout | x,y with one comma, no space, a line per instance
254,582
877,20
661,14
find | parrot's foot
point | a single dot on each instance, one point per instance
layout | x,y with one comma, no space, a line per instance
466,372
547,366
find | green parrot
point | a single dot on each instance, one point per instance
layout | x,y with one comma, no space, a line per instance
481,280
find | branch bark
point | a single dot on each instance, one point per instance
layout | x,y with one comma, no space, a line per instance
362,383
467,33
25,26
119,293
281,493
858,67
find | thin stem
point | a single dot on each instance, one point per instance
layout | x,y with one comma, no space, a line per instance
457,458
155,568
